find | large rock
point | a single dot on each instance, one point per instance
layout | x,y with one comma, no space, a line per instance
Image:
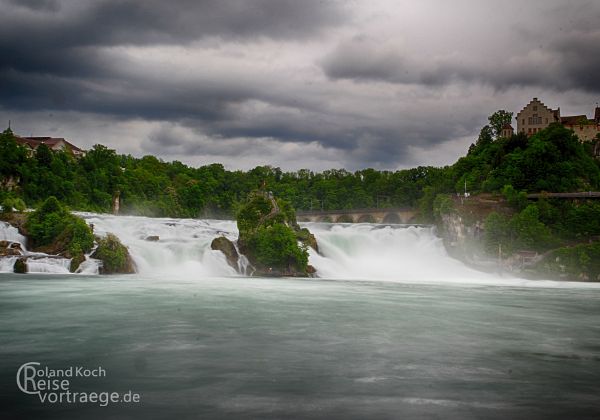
10,249
307,238
114,255
20,266
76,262
269,237
228,248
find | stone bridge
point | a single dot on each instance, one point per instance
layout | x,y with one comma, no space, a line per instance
391,215
567,196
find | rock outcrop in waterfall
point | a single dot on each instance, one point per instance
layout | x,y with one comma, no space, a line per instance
270,237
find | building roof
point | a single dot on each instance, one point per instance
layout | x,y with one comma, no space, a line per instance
507,126
574,119
27,142
555,111
53,141
34,142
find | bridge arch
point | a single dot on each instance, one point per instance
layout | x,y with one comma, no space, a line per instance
407,217
366,218
324,219
345,218
392,218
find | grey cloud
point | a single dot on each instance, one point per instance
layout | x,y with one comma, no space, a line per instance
222,78
130,22
62,38
51,59
580,51
565,60
363,59
37,5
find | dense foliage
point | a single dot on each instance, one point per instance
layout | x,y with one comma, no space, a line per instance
10,204
114,256
277,246
551,160
151,187
524,230
578,262
269,235
52,224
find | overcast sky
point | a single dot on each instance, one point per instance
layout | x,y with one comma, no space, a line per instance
297,84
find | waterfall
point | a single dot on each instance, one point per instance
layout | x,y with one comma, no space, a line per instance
165,247
385,252
48,265
181,247
7,264
11,234
38,262
169,247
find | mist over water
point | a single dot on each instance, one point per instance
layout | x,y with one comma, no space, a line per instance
180,248
363,251
394,328
385,252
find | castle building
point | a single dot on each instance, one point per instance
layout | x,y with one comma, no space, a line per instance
536,116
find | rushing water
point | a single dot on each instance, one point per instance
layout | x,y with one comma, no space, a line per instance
394,329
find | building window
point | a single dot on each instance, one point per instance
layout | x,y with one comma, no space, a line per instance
546,120
535,119
529,131
535,107
523,121
530,120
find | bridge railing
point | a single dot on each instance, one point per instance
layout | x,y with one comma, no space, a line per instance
585,194
351,211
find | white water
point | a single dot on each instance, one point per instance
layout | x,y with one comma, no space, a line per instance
48,265
7,264
183,248
410,254
385,252
11,234
395,253
38,262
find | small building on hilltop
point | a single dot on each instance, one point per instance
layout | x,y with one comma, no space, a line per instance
507,131
536,116
54,143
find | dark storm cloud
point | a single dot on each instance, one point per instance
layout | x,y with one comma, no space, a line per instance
236,78
126,22
56,37
44,5
120,98
580,51
568,59
51,56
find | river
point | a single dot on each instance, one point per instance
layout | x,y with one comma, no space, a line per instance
394,328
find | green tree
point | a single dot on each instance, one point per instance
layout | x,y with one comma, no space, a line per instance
498,120
276,246
496,233
528,231
486,136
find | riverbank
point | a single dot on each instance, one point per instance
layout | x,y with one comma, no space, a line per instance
465,223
